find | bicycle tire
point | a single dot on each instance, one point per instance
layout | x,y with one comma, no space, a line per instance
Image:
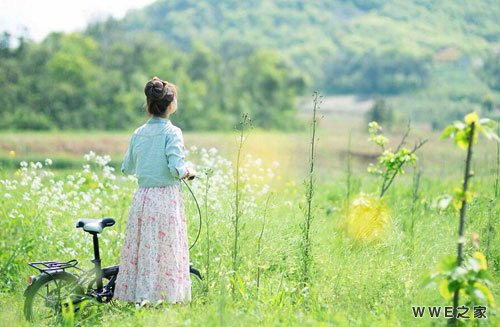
52,303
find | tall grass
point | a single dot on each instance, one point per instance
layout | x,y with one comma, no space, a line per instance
208,174
349,174
259,243
305,249
490,231
417,173
243,126
497,171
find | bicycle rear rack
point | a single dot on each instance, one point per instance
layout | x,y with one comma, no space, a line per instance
51,266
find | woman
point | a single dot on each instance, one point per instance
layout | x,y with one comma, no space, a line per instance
154,262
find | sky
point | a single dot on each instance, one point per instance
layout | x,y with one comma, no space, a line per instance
41,17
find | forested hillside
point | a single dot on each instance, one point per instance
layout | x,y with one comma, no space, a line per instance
434,60
338,43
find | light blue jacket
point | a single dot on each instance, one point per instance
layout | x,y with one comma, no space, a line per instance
156,154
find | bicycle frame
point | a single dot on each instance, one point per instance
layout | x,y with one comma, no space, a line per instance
99,273
85,280
85,277
97,262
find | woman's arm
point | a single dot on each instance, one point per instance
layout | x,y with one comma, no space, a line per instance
174,150
128,165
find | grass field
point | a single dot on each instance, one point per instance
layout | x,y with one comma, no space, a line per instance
437,158
354,282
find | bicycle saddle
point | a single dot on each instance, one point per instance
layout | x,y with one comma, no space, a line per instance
94,225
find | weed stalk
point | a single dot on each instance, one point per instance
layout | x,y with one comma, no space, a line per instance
491,228
259,243
306,238
497,178
243,125
349,174
467,176
208,173
417,172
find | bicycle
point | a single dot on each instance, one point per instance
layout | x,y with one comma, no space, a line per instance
56,288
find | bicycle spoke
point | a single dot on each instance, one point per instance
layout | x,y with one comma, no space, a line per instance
50,299
48,317
43,297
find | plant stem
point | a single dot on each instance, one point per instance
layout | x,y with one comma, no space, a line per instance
306,250
207,186
463,208
237,195
349,173
498,162
386,175
415,197
491,227
259,244
405,136
388,180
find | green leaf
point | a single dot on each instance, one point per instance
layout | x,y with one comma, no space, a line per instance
483,292
461,139
454,285
474,264
484,275
459,273
459,125
486,122
443,202
444,291
489,133
448,132
429,280
447,264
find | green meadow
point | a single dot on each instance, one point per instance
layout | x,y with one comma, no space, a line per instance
338,223
353,280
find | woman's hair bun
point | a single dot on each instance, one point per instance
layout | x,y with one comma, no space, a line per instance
154,89
159,95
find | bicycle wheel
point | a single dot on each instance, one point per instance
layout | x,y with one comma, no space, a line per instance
47,296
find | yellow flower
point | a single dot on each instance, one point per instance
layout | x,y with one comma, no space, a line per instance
369,219
12,153
481,259
471,118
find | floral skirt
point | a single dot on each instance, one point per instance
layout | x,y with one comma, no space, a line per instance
154,262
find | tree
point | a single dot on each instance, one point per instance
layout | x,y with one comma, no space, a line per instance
490,72
268,90
381,112
488,103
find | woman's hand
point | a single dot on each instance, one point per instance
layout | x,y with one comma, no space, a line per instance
190,175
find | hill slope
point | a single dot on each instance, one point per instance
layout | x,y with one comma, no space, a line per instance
325,39
231,57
